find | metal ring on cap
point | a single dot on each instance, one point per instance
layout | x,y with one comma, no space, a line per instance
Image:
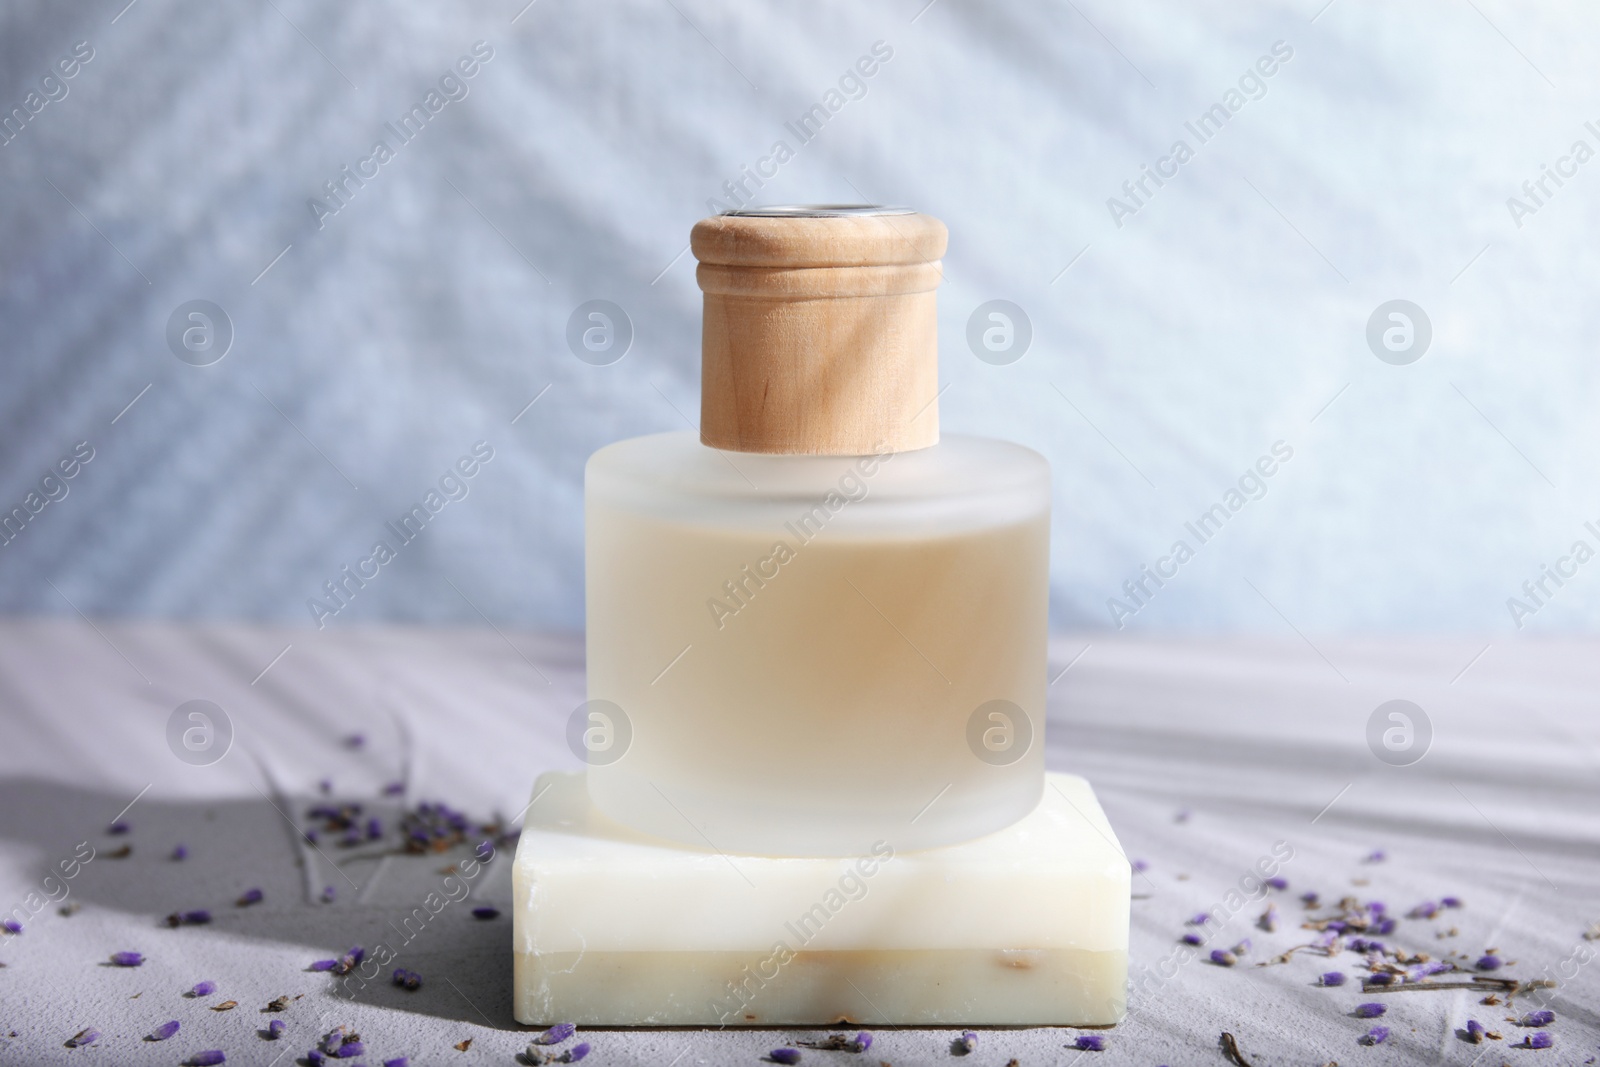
817,211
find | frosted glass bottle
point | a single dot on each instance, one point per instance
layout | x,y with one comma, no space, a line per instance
818,626
815,653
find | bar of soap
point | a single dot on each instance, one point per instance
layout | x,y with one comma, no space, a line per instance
1026,926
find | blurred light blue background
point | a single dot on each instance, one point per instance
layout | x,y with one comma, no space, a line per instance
1169,353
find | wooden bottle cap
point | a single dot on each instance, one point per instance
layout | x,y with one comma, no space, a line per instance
821,330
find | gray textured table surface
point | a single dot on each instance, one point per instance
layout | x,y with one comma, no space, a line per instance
1205,754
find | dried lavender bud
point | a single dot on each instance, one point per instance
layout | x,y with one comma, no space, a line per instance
784,1055
581,1049
1377,907
118,827
1090,1043
1376,1036
1193,939
1223,958
328,894
1370,1010
1537,1018
407,979
556,1034
1489,963
250,896
1381,978
275,1029
1450,902
394,789
1385,927
1279,884
206,1059
203,989
1538,1040
1426,910
164,1031
324,965
356,954
1140,866
1269,919
349,1049
1242,948
1475,1031
1199,919
83,1037
126,959
198,917
485,913
862,1042
1416,974
398,1061
1332,978
11,926
968,1042
314,1057
355,741
1377,855
180,853
1310,900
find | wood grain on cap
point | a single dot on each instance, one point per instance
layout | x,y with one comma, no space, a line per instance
820,334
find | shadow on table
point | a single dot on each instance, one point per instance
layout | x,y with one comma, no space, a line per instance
419,907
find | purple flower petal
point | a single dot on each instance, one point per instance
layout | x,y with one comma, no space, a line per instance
1332,978
209,1058
250,896
1376,1036
1539,1040
1489,963
485,913
164,1031
1537,1018
580,1050
203,989
784,1055
1090,1043
126,959
83,1037
1370,1010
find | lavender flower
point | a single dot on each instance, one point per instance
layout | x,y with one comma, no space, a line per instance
1538,1040
407,979
1242,948
1537,1018
784,1055
11,926
1370,1010
1475,1031
349,1049
1090,1043
1193,939
250,896
329,894
164,1031
968,1042
203,989
324,965
1489,963
180,853
1223,958
1426,910
1376,1036
209,1058
198,917
1450,902
862,1042
374,828
1377,855
394,789
314,1057
581,1049
486,913
355,741
556,1034
1377,907
1381,978
1140,866
1416,974
1385,927
1269,919
1332,978
1310,900
118,827
126,959
83,1037
1199,918
1279,884
398,1061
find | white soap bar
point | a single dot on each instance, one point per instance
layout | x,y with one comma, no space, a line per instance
1026,926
